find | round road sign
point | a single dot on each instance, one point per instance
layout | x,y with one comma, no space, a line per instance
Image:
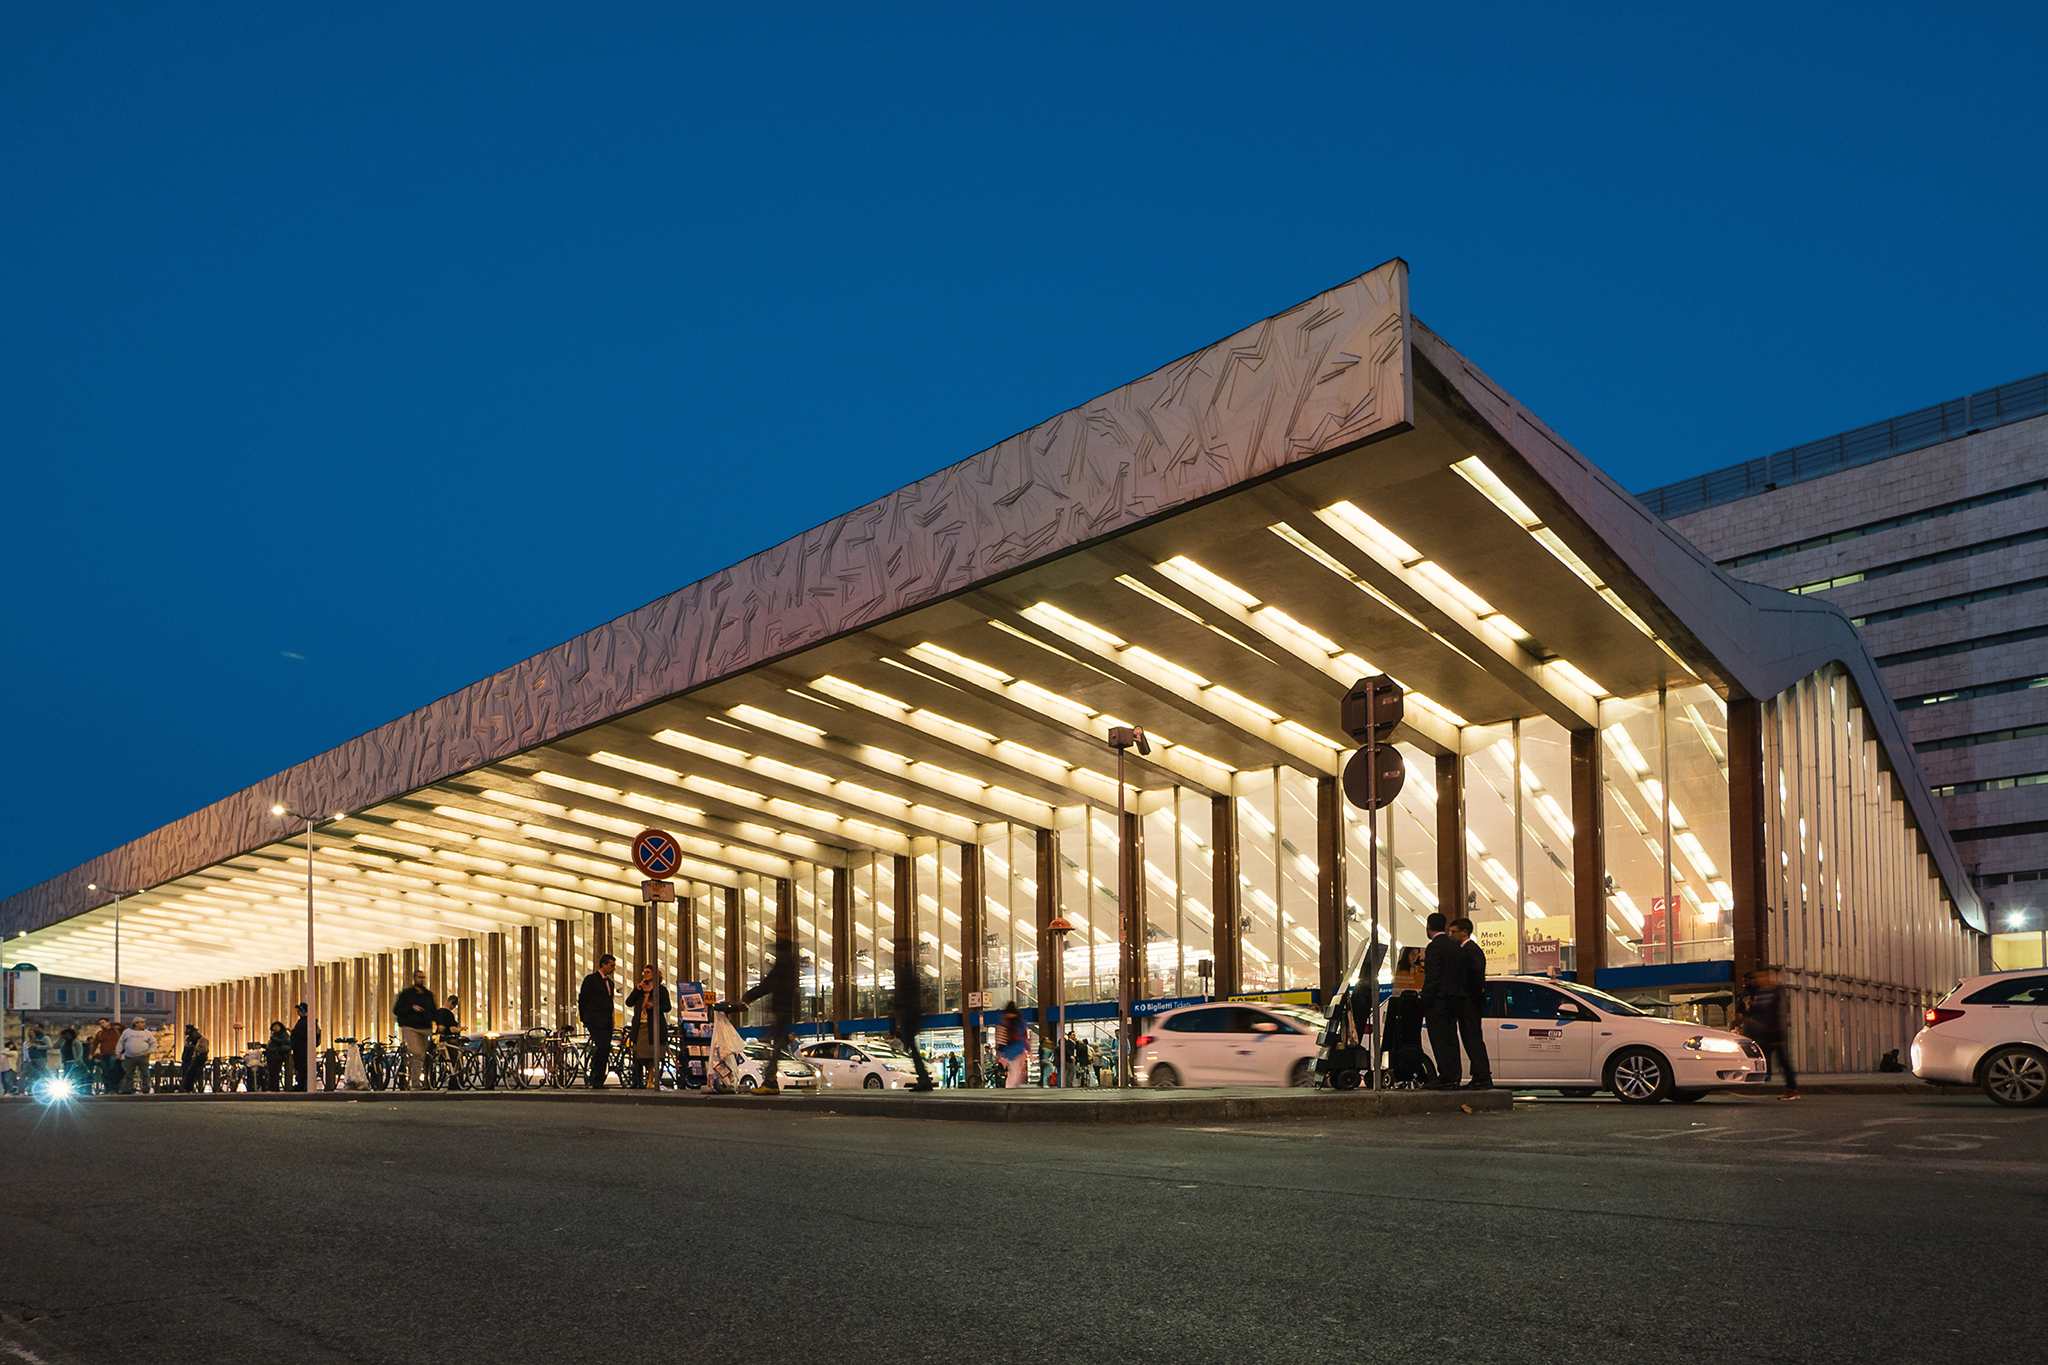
656,853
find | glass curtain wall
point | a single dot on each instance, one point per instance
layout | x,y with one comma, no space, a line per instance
1666,773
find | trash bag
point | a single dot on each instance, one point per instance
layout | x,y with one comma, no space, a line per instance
728,1055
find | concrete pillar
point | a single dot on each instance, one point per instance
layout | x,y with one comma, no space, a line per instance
565,974
1330,867
973,977
1048,910
842,944
1228,909
909,986
735,942
529,976
498,1016
1589,857
1450,835
1748,872
646,947
1131,873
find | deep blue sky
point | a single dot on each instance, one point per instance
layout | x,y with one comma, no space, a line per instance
348,354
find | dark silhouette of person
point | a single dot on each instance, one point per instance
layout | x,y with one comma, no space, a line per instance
1443,994
594,1007
909,1010
1470,1027
779,984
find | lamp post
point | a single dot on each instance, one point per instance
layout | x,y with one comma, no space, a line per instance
117,895
312,995
1059,929
1122,737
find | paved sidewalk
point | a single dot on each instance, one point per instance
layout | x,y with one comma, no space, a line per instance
1236,1104
1860,1083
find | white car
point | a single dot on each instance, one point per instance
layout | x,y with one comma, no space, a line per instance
796,1073
1990,1031
859,1065
1228,1043
1557,1035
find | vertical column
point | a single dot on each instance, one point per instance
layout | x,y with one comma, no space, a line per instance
437,971
529,977
465,982
782,930
1747,877
1048,910
686,939
1330,916
842,944
909,982
1131,854
735,944
494,982
601,936
644,947
1450,837
1226,893
1589,858
973,923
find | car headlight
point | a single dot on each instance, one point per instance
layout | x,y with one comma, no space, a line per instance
1701,1043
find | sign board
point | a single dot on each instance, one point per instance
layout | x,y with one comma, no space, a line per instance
656,853
1141,1008
1277,997
693,1018
1656,946
1542,955
657,891
24,988
1496,938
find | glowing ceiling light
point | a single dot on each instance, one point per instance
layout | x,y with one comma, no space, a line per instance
1370,534
1219,690
839,687
769,720
1297,728
1180,566
932,653
1577,679
1151,594
1187,677
1046,614
1457,591
475,818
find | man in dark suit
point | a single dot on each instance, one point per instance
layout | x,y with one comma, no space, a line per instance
1470,1027
1443,995
594,1006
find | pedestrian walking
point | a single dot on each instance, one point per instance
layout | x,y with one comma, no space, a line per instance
779,984
594,1006
1012,1045
134,1047
302,1058
647,1008
1443,995
277,1051
1470,1028
1763,1021
448,1037
414,1013
71,1057
9,1081
192,1064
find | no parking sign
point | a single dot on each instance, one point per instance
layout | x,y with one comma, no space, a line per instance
656,853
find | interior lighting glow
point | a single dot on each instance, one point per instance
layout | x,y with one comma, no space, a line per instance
1180,566
1218,689
1436,708
1183,751
932,653
1151,594
1507,627
635,766
1723,894
445,835
475,818
768,720
1475,472
1187,677
395,845
1045,700
1531,910
1625,749
846,691
1297,728
1628,908
1577,679
1274,618
1030,752
1457,591
1369,534
1416,888
948,723
1696,851
1046,614
1250,812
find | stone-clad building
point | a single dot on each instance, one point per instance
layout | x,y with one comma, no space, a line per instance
1931,531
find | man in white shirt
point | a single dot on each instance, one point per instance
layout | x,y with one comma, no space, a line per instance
133,1048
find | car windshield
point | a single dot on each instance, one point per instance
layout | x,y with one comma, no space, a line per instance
1605,1003
1307,1020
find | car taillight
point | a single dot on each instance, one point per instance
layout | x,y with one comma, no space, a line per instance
1938,1015
1142,1040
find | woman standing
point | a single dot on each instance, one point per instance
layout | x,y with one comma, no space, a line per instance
647,1007
275,1050
1012,1045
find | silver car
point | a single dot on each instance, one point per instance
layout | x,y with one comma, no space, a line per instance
1990,1031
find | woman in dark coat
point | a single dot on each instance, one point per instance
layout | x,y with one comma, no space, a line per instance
275,1049
647,1009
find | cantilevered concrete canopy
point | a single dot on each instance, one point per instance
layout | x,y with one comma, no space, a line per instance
1215,552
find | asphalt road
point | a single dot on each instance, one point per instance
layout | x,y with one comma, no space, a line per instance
1836,1228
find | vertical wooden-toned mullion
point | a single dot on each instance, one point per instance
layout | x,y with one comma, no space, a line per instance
1047,910
1589,854
1227,925
1330,867
973,971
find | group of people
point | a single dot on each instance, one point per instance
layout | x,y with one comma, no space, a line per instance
1441,985
109,1058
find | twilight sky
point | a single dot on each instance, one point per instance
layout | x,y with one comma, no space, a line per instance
348,354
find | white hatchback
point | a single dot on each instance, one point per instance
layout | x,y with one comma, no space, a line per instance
1990,1031
859,1065
1226,1043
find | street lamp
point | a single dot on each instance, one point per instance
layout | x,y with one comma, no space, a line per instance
94,886
1122,737
1059,929
312,995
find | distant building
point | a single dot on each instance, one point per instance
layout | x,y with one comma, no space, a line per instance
74,1002
1931,530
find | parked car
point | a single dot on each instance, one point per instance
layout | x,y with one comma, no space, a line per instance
796,1073
1991,1031
859,1064
1543,1034
1225,1043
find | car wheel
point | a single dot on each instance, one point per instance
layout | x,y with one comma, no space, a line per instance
1576,1092
873,1082
2016,1077
747,1085
1165,1078
1638,1076
1688,1096
1346,1079
1302,1075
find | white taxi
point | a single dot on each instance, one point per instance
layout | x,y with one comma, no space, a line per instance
1557,1035
860,1064
1228,1043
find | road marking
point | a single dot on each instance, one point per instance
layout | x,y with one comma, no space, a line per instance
1658,1135
1759,1135
1948,1142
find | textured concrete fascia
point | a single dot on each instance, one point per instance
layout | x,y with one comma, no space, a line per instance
1319,378
1757,640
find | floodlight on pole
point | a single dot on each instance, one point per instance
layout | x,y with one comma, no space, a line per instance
1121,738
312,1000
117,895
